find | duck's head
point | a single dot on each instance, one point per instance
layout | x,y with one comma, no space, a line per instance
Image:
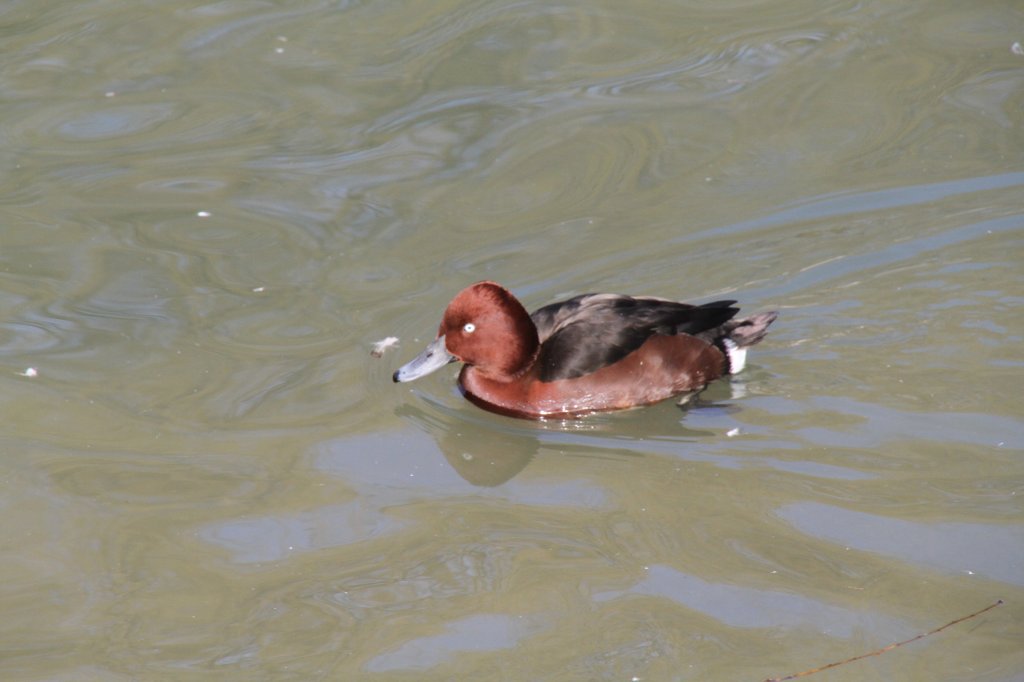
484,326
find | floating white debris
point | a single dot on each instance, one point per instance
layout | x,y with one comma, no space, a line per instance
29,372
1017,49
203,214
380,347
732,432
258,290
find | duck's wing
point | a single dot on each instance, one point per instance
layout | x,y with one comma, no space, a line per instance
554,316
588,332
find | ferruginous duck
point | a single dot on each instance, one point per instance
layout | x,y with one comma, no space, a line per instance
587,354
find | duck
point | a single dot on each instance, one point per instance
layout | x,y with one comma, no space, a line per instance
590,353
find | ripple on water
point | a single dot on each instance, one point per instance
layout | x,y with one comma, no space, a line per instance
478,634
748,607
995,551
995,95
168,482
116,121
168,124
276,538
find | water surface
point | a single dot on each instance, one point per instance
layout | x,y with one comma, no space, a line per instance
210,211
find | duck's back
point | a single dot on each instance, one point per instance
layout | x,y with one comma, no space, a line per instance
583,334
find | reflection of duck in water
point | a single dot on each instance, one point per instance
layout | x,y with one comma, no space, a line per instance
481,461
590,353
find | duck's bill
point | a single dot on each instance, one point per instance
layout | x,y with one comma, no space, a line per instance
434,357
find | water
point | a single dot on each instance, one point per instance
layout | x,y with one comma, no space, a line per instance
211,211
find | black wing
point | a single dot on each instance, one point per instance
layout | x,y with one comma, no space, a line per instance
588,332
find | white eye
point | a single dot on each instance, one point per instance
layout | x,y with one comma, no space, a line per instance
469,328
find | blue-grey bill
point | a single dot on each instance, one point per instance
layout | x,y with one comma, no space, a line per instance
434,357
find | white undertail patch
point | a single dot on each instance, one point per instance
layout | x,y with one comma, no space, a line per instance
737,356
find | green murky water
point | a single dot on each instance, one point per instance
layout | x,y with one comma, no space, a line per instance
210,211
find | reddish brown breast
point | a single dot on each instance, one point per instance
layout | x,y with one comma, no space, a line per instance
662,367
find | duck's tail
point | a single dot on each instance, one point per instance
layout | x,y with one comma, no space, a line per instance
738,335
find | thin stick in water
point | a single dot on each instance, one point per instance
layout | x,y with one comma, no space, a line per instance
886,648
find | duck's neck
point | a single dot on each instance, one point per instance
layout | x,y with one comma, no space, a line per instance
518,354
519,348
